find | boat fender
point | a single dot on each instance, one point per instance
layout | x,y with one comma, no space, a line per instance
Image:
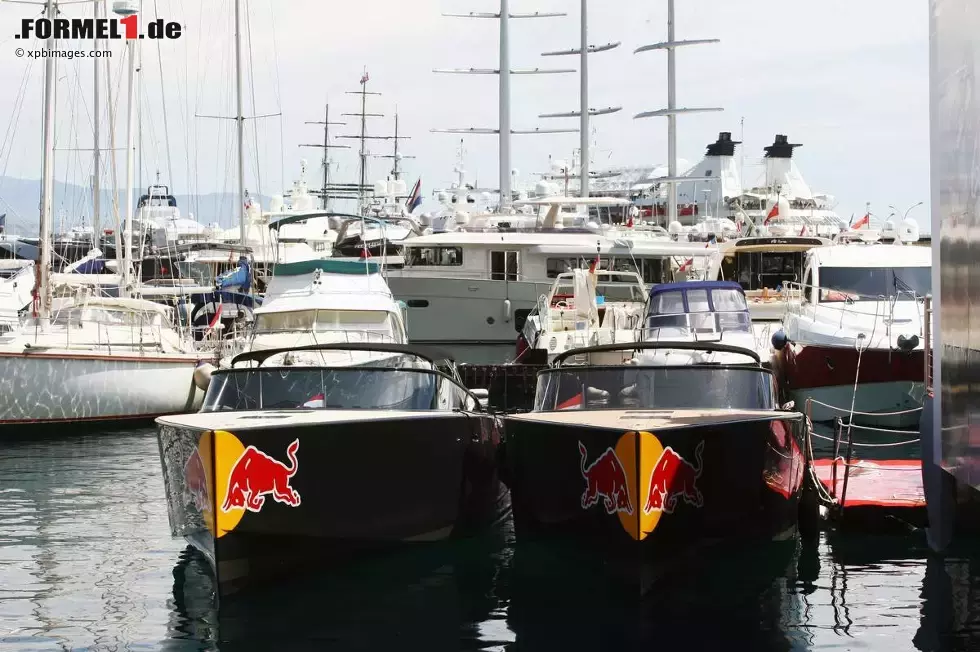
507,310
908,344
202,375
779,340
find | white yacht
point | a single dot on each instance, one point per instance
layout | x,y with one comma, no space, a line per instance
584,308
471,290
325,301
860,322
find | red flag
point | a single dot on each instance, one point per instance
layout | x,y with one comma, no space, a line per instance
365,77
864,221
774,212
594,265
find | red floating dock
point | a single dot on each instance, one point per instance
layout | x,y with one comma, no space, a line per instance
887,484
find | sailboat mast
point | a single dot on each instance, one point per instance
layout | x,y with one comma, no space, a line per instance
241,120
396,170
584,93
130,157
363,175
97,155
504,97
47,186
324,200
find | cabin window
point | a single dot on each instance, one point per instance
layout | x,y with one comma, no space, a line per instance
670,303
856,283
433,256
504,265
728,301
697,301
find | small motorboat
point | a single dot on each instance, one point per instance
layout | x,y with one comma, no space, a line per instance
648,463
288,467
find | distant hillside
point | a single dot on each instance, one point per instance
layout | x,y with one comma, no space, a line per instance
19,199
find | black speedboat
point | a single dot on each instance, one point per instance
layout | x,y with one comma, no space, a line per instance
651,463
287,468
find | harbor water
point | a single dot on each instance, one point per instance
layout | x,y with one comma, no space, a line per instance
87,563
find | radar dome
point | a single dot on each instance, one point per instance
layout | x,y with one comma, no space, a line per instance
425,219
909,231
675,228
443,197
125,7
542,188
276,204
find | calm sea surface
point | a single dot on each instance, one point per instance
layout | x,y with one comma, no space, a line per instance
87,562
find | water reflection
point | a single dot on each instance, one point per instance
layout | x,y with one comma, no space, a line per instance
87,561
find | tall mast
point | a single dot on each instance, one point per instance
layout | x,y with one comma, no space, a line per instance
671,112
129,9
47,185
240,119
504,71
97,157
396,155
363,138
324,196
585,112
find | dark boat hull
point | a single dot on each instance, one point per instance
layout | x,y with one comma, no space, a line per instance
646,501
263,503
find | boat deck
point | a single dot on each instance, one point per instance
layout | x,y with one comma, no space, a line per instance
888,484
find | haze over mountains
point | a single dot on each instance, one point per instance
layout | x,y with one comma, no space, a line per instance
20,198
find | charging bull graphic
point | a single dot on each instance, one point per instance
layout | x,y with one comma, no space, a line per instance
256,475
673,478
605,478
196,482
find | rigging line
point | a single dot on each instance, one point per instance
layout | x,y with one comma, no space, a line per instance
163,106
251,83
282,139
15,120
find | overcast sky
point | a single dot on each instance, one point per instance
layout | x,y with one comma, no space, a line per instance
847,79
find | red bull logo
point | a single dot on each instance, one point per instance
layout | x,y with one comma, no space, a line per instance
672,479
196,482
605,479
255,475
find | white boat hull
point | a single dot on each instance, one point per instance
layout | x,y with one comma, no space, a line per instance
62,387
871,398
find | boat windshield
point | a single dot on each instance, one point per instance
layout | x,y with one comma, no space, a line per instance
705,311
870,283
661,387
322,321
345,388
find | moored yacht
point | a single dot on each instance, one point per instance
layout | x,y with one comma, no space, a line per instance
583,308
327,301
648,464
490,280
859,325
700,311
287,468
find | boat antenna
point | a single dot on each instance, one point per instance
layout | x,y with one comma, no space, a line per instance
503,71
671,112
584,112
326,146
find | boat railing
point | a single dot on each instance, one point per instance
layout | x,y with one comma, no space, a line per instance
885,316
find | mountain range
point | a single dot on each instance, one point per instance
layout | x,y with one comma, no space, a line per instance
20,198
